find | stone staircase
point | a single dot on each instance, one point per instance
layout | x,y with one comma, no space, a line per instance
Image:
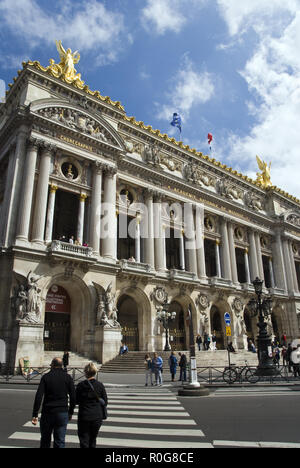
75,359
133,362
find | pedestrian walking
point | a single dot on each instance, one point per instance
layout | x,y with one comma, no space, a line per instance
206,341
54,390
91,397
288,356
66,359
148,370
295,360
182,365
157,365
199,342
173,363
214,342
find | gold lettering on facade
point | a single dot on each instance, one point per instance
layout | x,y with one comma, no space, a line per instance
75,143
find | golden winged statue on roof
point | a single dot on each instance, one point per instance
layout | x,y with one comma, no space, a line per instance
66,68
264,177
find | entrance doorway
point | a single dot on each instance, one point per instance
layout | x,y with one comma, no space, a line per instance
128,319
57,320
217,327
177,328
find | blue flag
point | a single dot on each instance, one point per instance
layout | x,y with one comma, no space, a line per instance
176,122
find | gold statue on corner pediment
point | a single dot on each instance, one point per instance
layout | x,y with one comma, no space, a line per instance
66,68
264,178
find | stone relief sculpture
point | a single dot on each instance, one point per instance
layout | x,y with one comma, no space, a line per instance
151,154
27,301
203,302
229,191
196,176
106,313
253,202
76,121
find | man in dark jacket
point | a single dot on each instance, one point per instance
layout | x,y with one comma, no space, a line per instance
55,388
182,365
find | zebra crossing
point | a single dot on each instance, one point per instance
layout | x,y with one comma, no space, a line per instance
136,420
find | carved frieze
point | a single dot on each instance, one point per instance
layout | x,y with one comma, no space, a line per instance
76,121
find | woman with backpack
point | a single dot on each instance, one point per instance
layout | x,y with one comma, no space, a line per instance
92,400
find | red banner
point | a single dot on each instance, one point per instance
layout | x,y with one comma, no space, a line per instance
58,300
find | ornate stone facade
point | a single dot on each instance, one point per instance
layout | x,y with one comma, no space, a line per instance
74,171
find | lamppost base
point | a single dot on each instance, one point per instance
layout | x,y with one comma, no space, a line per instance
267,371
193,391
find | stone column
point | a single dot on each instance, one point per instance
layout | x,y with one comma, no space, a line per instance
159,235
95,215
190,234
137,239
218,262
109,221
50,213
288,266
232,254
259,257
226,263
13,187
41,197
149,234
273,285
81,212
200,252
181,251
278,259
27,190
247,269
293,267
253,256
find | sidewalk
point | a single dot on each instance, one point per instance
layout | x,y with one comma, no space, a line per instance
137,381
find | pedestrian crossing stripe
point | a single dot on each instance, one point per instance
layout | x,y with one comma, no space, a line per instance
156,411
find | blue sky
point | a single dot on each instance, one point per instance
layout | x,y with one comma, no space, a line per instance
229,67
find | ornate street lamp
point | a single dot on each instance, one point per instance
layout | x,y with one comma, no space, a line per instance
193,388
262,308
165,318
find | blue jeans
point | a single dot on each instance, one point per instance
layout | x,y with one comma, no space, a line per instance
56,423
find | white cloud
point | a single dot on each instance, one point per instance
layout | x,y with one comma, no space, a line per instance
164,15
273,78
2,90
88,28
161,16
189,89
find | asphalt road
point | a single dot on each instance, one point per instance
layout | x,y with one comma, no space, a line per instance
233,417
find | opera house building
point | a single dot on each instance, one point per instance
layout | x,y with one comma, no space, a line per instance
105,221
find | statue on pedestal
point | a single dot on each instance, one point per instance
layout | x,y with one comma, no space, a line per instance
27,301
106,314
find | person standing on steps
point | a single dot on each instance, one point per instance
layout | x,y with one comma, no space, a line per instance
54,390
157,365
173,365
182,365
148,369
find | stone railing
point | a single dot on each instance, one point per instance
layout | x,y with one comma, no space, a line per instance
72,249
135,266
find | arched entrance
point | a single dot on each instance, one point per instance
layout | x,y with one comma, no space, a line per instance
251,328
217,326
177,328
57,319
128,319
